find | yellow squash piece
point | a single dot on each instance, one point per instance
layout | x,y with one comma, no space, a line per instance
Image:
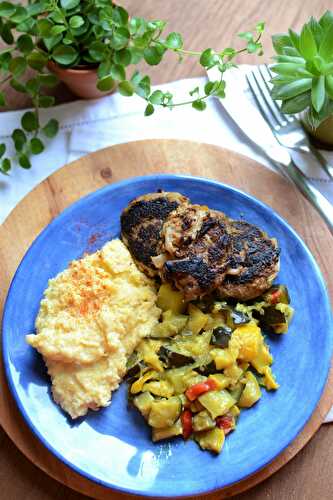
164,413
217,402
138,384
143,403
168,298
269,379
212,440
161,388
197,319
248,339
251,393
222,357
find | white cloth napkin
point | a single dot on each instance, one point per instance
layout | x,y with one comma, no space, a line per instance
87,126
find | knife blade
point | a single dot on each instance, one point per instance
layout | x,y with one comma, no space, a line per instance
249,120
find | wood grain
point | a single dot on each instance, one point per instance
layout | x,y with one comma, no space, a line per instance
110,165
212,23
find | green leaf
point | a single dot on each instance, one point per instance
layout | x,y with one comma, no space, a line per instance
152,56
292,89
37,60
21,14
2,149
44,27
260,27
326,46
280,41
65,55
195,91
326,20
252,47
57,17
48,80
136,55
76,22
25,44
69,4
35,8
290,59
19,139
149,110
291,51
246,35
6,34
105,84
17,66
174,41
33,86
296,104
51,128
36,146
199,105
29,121
156,97
307,44
7,9
52,41
5,166
56,30
2,99
316,29
118,72
97,51
329,86
123,57
19,87
120,15
45,101
104,69
27,26
24,161
120,39
287,68
143,87
318,93
210,87
209,58
126,88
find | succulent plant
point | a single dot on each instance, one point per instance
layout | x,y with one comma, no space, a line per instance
304,70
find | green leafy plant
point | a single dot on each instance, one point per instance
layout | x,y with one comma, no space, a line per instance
304,70
102,35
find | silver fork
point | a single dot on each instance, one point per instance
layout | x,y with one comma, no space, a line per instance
286,128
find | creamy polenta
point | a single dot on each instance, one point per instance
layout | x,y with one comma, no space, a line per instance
91,318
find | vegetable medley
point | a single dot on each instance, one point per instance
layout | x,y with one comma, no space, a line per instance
203,363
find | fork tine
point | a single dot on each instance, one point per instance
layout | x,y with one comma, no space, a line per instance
289,118
264,90
268,117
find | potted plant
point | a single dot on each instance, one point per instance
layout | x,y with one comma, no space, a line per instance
303,78
93,46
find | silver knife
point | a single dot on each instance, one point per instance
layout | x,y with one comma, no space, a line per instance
239,110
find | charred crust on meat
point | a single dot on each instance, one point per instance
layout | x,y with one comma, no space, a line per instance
195,267
158,208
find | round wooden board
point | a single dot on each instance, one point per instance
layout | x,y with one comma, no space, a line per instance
72,182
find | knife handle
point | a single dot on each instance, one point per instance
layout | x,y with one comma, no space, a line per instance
321,204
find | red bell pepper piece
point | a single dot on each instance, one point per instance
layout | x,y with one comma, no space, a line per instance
275,297
226,423
196,390
186,420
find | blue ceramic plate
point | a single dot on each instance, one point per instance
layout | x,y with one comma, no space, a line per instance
112,446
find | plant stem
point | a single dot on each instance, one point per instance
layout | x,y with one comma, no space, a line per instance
6,79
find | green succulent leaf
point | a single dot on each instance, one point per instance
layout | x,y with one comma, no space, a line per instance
292,89
36,146
291,69
74,22
326,20
329,85
118,72
326,45
318,93
296,104
29,121
120,15
37,60
123,57
280,41
316,29
45,101
174,41
307,43
6,34
65,55
52,41
48,80
209,58
152,56
18,86
44,27
120,39
51,128
289,59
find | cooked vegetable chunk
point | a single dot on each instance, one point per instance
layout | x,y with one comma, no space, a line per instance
170,299
164,413
212,440
251,392
217,402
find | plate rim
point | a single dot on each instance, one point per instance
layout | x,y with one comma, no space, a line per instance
111,187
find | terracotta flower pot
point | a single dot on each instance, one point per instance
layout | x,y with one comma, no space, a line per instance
81,81
322,136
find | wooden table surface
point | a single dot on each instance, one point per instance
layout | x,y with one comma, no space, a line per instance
209,23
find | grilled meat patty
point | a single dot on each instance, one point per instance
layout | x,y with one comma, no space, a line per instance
199,250
141,225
